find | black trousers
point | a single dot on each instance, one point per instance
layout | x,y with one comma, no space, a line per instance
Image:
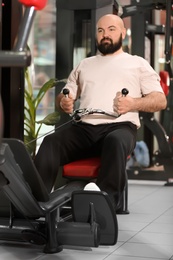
113,142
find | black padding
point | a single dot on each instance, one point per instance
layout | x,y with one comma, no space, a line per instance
30,173
17,189
105,215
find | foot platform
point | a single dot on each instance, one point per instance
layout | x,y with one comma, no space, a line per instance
87,205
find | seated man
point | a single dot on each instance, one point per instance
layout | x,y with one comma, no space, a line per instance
98,81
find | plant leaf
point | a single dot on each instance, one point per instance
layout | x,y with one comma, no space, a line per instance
50,119
43,90
29,85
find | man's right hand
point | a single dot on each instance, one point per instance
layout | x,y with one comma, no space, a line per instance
67,104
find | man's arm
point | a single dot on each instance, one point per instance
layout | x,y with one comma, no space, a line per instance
155,101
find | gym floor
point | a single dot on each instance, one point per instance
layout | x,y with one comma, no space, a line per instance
146,233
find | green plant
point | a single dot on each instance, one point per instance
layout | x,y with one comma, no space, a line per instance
31,126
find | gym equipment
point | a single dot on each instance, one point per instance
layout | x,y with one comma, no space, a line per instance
1,119
20,56
78,113
162,129
35,216
88,170
38,5
162,156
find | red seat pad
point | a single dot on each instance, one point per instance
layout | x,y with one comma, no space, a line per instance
85,168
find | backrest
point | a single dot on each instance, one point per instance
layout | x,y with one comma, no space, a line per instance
30,173
15,186
21,164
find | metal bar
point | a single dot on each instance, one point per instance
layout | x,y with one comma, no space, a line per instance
15,59
24,29
167,37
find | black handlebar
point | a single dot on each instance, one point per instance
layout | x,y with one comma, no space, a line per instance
124,91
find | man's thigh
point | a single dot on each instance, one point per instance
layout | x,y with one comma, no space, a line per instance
122,136
73,143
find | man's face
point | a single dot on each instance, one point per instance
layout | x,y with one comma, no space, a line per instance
107,46
110,34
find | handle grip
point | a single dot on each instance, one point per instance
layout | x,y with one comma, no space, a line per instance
66,92
124,91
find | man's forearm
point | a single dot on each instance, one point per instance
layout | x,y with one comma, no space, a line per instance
152,102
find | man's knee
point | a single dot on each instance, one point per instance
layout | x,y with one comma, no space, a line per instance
113,138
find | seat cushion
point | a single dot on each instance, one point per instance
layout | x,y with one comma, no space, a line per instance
85,168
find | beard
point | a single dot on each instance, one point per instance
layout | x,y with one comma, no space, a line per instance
109,47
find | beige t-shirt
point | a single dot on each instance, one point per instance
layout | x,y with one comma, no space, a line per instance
97,80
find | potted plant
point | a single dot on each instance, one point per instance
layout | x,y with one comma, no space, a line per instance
31,126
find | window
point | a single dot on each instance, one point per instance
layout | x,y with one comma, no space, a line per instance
42,45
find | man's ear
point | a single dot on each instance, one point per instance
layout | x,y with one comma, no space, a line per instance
124,33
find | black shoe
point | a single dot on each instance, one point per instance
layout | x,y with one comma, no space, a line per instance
119,204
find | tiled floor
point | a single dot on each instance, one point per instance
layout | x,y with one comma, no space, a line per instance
146,233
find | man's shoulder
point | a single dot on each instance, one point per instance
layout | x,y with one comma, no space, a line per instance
139,58
136,59
88,60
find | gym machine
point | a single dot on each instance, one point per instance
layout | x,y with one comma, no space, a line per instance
161,130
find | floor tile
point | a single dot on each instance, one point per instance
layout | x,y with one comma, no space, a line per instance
124,236
78,253
118,257
17,251
164,219
152,238
133,217
145,250
160,228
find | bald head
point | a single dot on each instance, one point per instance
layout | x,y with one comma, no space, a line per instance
111,19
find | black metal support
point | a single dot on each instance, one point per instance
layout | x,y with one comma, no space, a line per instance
52,245
167,114
161,157
12,79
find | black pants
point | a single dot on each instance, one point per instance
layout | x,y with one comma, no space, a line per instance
113,142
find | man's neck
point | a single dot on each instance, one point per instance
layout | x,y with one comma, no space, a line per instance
115,53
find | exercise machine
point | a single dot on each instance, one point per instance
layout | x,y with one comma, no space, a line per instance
162,130
35,216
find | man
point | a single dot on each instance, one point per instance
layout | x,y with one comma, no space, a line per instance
98,82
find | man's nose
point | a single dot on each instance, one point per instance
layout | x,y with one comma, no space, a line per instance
105,33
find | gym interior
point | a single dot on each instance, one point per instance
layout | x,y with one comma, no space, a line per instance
41,42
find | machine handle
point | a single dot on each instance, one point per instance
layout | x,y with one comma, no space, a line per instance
124,91
66,92
38,4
